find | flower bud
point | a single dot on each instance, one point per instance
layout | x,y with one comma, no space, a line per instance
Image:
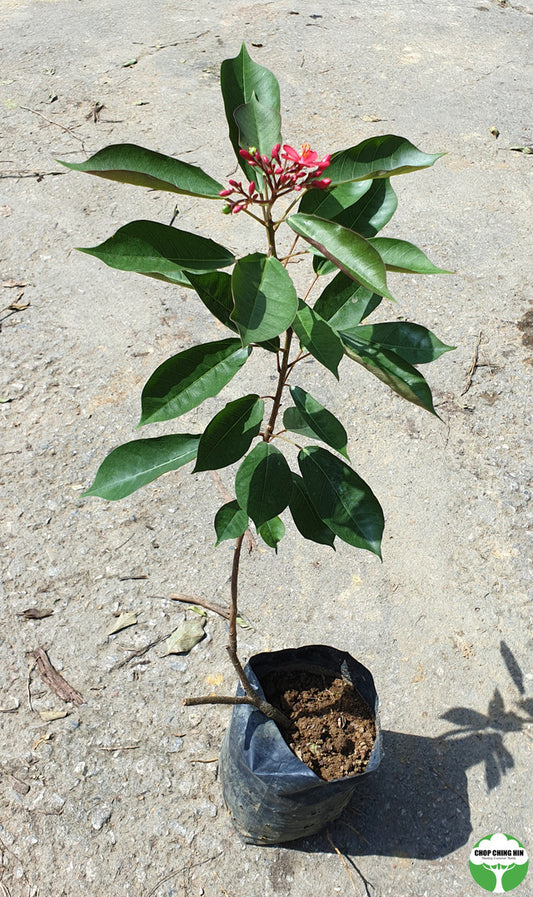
322,184
226,192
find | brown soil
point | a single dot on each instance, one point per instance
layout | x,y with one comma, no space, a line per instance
333,729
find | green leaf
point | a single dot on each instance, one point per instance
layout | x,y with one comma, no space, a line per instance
318,338
323,424
378,157
258,125
230,522
373,211
391,369
186,380
412,342
214,289
263,483
344,302
332,202
132,164
264,296
293,421
342,500
148,247
240,79
365,211
307,521
351,253
229,435
272,532
136,463
399,255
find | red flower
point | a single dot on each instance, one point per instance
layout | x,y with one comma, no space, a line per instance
307,158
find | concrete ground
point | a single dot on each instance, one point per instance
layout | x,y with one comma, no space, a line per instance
120,798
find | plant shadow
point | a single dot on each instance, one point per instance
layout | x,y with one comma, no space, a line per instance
416,804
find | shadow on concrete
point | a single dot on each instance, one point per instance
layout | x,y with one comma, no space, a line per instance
416,804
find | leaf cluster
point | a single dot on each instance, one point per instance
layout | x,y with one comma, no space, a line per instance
258,303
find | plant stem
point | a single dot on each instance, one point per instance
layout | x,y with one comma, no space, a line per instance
232,647
282,379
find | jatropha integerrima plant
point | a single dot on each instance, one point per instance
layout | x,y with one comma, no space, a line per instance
343,201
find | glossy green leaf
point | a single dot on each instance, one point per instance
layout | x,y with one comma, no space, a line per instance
366,213
373,211
187,379
263,483
344,302
264,296
323,424
342,500
272,532
240,79
351,253
230,522
229,435
334,201
214,289
399,255
293,421
391,369
378,157
148,247
412,342
307,521
259,126
137,463
132,164
318,338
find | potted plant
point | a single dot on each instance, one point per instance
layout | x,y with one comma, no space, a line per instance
290,452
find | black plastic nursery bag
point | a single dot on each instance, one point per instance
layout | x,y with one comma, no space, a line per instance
272,796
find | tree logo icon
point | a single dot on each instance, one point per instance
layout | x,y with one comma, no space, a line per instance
498,863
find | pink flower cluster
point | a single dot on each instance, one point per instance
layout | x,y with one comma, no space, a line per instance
286,170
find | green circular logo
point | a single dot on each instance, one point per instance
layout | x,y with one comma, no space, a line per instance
498,863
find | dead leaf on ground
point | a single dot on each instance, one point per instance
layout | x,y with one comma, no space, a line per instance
35,613
371,118
49,715
522,149
54,680
185,637
13,283
124,620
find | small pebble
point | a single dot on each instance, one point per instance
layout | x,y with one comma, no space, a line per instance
99,817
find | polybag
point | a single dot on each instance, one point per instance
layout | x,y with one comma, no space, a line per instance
271,795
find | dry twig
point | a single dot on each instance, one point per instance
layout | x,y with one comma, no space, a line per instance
473,366
343,861
201,602
55,680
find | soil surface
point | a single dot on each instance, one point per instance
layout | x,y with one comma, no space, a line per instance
333,729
